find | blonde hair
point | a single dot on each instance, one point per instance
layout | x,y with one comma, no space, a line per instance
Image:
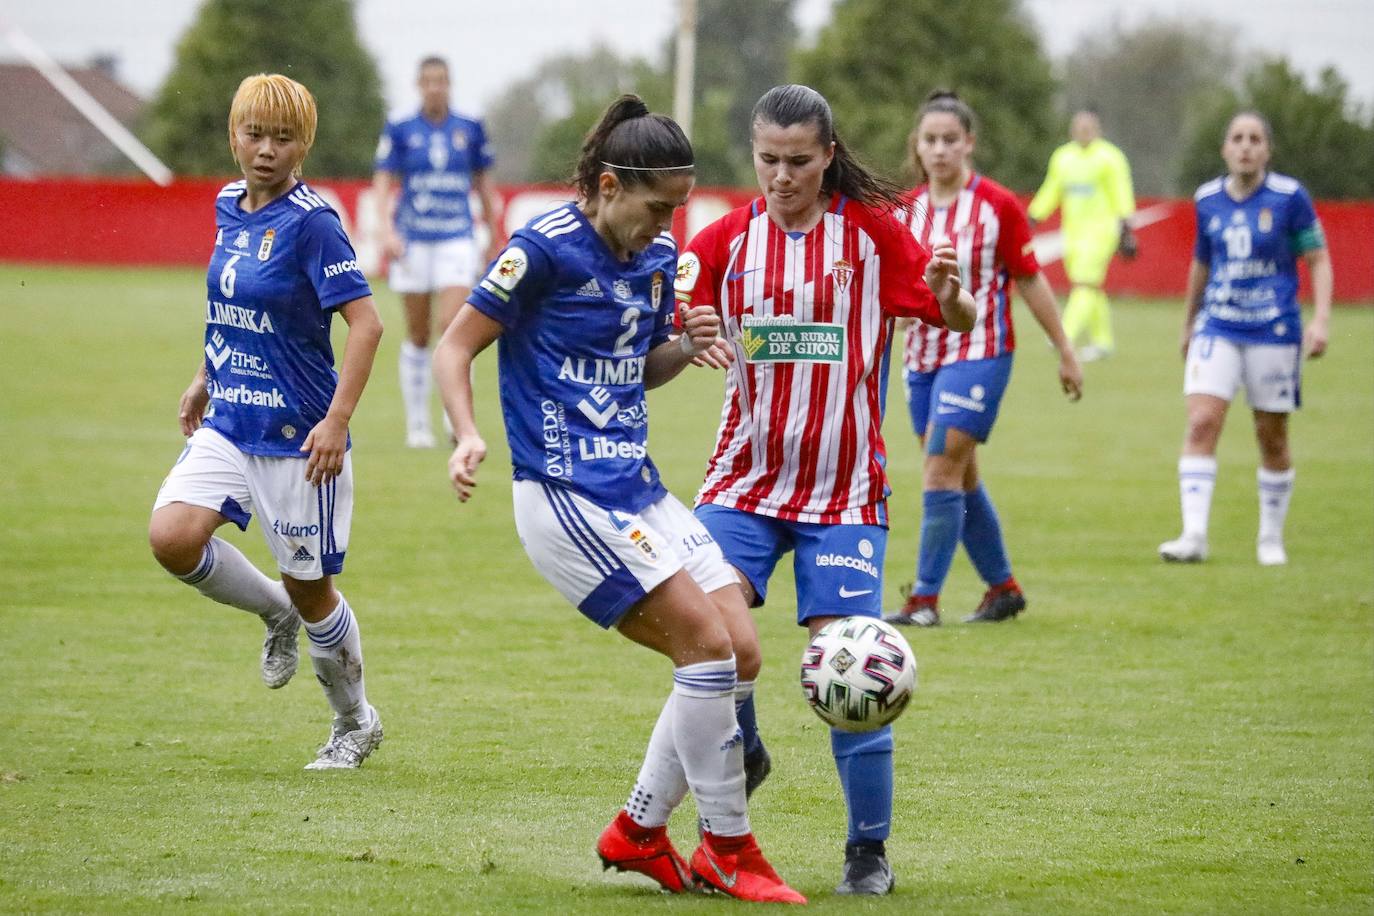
273,100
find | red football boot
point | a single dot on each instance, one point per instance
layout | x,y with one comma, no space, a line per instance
626,846
735,865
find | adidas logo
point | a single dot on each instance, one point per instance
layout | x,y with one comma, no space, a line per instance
591,289
302,555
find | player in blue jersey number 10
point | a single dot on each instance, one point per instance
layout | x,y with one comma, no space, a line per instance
267,416
581,302
1243,327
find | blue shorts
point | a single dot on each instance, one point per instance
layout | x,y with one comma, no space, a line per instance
964,395
838,568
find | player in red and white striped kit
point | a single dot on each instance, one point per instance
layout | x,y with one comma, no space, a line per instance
807,280
955,381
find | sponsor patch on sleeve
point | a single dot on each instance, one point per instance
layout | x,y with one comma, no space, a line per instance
688,270
510,268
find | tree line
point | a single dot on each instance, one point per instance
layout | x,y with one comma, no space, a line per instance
1164,90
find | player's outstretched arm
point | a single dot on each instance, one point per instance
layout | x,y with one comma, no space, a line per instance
1035,289
1323,281
700,331
327,443
468,334
194,400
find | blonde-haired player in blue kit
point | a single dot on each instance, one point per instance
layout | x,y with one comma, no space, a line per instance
439,159
1244,327
267,416
581,302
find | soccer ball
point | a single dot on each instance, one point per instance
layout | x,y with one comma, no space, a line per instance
858,673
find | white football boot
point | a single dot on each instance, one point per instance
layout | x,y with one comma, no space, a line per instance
1187,548
419,437
279,651
346,750
1270,552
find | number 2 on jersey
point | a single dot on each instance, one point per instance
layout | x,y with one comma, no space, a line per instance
622,343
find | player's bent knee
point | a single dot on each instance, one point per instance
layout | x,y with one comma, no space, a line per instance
177,549
315,599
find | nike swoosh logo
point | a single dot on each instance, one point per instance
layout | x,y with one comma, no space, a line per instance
728,880
873,826
735,276
846,593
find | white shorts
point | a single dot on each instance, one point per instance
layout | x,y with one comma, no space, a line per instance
306,526
1272,373
604,560
430,266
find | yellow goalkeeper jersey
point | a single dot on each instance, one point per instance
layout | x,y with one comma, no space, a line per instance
1091,183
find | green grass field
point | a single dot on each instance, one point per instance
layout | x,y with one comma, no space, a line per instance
1146,739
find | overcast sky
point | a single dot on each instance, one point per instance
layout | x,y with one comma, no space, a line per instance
492,45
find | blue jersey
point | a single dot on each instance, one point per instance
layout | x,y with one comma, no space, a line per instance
274,278
578,326
1251,248
435,164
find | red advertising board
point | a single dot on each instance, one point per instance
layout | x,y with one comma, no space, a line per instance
128,222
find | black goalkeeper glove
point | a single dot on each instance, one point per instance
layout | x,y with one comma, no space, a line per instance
1128,246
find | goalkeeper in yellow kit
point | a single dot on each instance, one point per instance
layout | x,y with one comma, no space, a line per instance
1090,180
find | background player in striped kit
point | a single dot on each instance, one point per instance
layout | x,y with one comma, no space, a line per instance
955,381
1243,326
807,280
439,158
275,432
1089,179
581,303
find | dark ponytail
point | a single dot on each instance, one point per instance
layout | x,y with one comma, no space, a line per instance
794,104
943,101
635,145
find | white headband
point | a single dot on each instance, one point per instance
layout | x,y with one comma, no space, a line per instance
649,168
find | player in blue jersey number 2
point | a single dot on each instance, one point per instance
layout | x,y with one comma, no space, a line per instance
581,302
267,417
1244,328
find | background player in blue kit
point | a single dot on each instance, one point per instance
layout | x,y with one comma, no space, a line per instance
582,303
267,416
1243,326
439,158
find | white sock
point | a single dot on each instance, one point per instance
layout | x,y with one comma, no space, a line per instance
662,784
415,382
709,744
225,575
1275,490
1197,476
336,650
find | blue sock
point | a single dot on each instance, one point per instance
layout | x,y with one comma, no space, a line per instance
983,537
864,762
749,725
942,521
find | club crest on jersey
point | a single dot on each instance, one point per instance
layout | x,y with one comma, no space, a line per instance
265,249
656,289
1266,220
460,140
622,290
242,240
842,270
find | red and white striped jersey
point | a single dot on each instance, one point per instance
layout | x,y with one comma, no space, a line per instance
809,317
989,230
